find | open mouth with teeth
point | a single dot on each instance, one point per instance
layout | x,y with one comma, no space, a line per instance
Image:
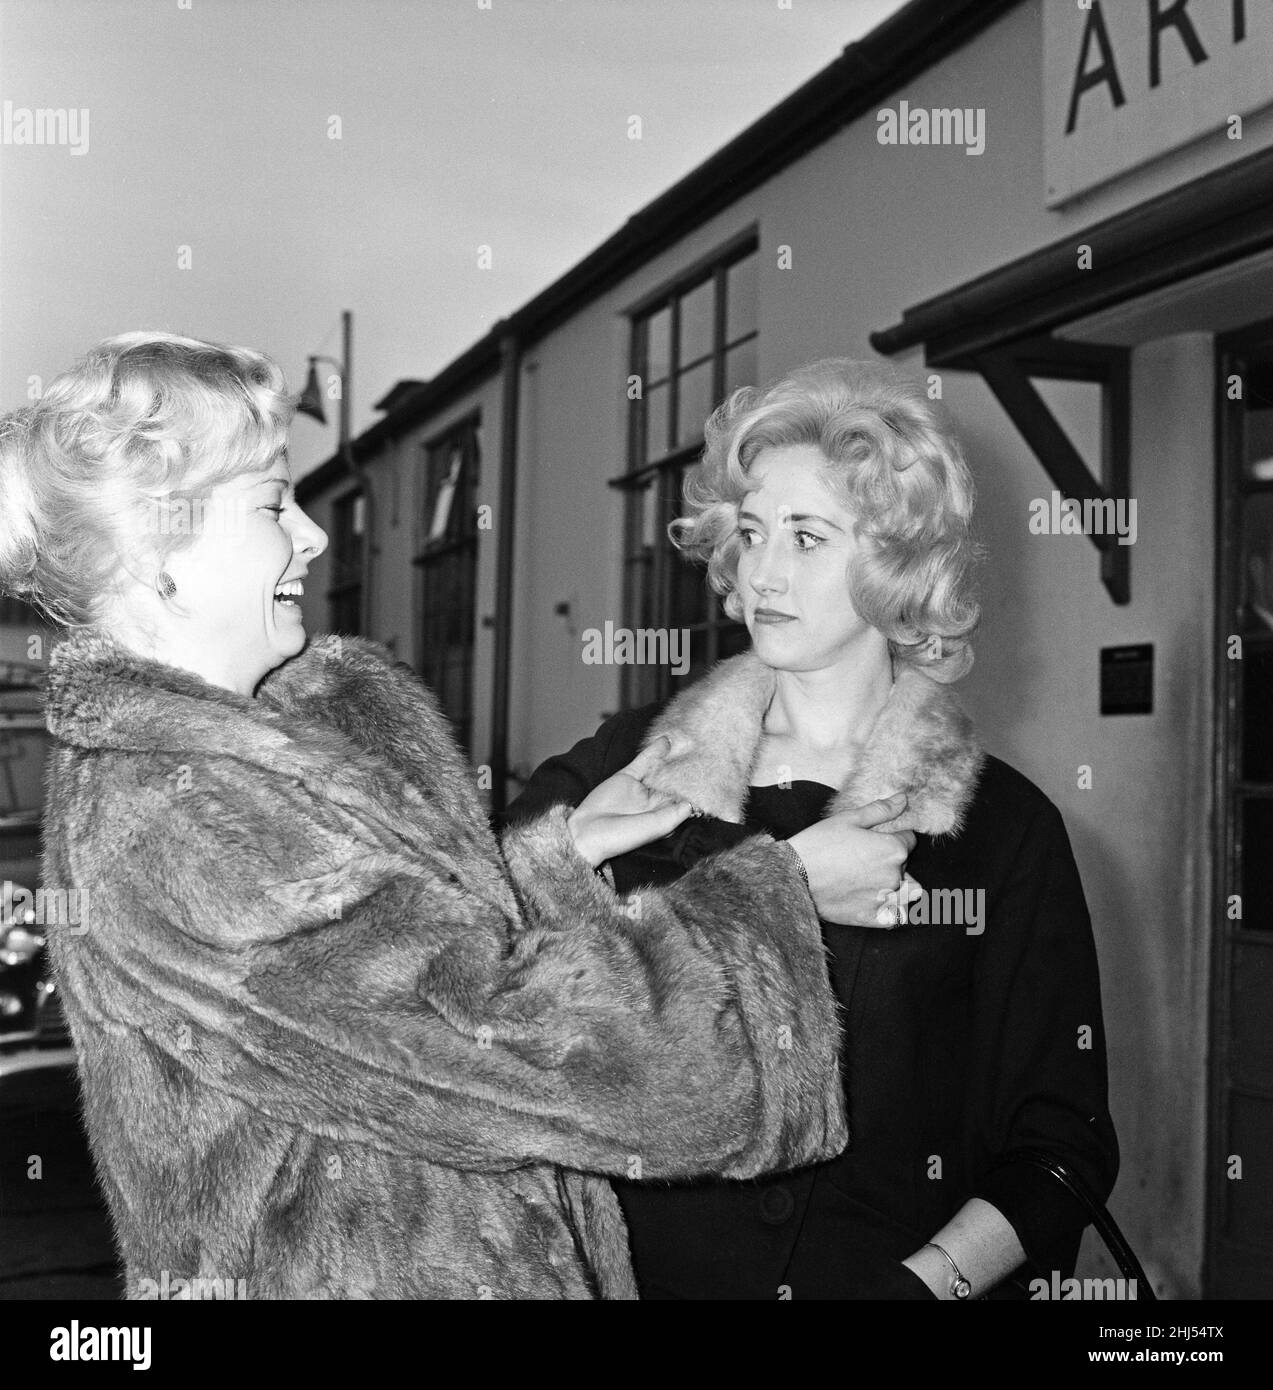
289,593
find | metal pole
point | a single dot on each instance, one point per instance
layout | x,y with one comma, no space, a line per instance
365,623
346,380
511,363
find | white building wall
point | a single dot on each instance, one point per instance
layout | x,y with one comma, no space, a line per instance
873,230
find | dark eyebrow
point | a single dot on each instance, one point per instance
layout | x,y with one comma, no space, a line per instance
796,518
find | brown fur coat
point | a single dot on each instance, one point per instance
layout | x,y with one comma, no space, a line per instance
334,1043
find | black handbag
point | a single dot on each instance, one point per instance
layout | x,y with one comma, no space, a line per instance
1099,1215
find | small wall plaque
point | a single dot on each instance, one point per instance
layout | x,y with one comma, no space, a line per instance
1127,679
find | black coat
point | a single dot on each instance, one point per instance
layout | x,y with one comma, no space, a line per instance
960,1048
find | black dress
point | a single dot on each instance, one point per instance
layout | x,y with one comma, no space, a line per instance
961,1048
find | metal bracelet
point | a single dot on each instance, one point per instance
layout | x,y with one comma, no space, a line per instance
959,1286
795,854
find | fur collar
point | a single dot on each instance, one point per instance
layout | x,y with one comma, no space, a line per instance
922,743
333,719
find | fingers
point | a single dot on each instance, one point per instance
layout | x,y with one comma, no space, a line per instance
653,825
648,758
895,902
877,812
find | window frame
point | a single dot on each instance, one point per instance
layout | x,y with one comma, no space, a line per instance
465,432
717,632
346,576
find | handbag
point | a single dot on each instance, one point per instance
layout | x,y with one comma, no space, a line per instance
1098,1214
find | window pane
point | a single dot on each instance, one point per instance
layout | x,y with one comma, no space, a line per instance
732,639
658,347
689,592
740,298
346,611
697,329
1257,564
1258,424
740,366
695,403
700,658
1257,702
348,524
440,524
1257,865
649,513
656,417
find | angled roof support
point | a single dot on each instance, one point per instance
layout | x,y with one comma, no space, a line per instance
1009,371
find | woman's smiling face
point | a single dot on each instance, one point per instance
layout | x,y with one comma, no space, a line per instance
798,543
254,540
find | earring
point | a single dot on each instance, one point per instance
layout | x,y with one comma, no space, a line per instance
165,586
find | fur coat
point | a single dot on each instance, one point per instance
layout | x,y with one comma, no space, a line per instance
966,1043
334,1043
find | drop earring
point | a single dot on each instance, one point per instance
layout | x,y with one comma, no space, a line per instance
165,586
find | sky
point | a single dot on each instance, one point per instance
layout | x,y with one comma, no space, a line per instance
249,168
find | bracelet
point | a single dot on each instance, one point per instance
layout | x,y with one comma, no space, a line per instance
795,854
959,1286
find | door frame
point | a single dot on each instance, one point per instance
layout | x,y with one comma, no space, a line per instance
1230,349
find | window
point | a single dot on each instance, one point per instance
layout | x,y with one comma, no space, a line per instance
690,349
16,612
446,557
344,598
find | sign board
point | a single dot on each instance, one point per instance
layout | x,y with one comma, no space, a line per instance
1125,81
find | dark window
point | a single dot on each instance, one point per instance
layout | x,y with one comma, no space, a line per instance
690,349
446,556
348,537
16,612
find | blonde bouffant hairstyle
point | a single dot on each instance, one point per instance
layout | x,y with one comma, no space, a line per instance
892,466
142,426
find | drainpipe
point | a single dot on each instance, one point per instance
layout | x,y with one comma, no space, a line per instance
511,366
357,471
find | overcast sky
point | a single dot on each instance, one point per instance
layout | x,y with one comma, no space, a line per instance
462,123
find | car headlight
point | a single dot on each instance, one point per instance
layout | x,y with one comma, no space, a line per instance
18,946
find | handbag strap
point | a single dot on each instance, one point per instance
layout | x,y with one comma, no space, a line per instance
1106,1227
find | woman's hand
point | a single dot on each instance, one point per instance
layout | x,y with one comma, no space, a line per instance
854,869
622,814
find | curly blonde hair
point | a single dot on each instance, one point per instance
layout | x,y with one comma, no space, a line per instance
891,465
142,425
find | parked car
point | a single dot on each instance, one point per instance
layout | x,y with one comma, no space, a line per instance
33,1033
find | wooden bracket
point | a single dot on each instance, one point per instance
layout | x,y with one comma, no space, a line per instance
1009,371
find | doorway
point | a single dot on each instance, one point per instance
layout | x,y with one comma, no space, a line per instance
1238,1262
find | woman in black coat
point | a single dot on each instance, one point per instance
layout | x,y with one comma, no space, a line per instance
833,515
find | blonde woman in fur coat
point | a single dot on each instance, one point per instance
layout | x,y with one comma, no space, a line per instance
833,513
332,1041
